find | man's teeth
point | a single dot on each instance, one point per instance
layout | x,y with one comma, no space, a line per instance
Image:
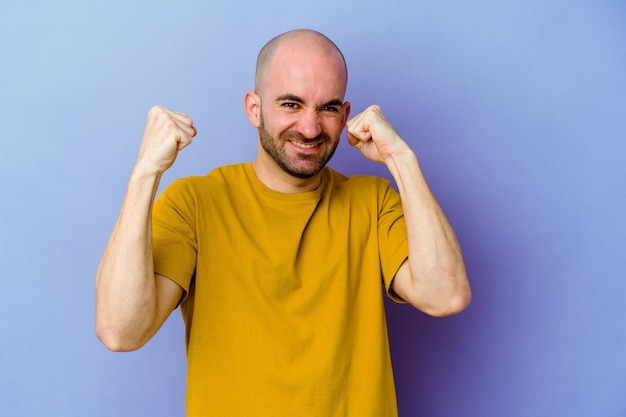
304,145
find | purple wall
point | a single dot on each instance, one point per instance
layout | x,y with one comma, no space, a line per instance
515,109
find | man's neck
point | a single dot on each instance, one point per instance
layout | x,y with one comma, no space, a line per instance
275,178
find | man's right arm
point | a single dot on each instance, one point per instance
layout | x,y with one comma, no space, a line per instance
132,302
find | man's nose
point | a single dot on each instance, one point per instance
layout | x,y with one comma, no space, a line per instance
309,124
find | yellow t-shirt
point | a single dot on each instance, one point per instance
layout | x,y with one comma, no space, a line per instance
283,297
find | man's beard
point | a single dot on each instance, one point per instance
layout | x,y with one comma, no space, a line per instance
305,165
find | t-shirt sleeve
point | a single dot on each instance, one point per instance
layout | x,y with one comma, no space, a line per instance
174,243
392,238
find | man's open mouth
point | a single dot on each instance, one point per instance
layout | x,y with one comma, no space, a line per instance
305,145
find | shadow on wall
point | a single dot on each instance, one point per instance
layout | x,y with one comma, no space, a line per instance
440,364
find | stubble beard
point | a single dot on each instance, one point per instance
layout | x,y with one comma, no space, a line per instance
304,165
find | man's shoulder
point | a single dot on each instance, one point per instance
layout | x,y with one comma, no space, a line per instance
221,174
356,181
222,177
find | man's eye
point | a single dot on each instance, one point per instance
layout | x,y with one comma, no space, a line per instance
330,109
290,105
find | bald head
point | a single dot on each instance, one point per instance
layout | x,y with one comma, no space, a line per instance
302,39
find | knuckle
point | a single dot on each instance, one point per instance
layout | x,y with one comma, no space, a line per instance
157,109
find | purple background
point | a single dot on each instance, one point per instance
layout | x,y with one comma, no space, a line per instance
516,109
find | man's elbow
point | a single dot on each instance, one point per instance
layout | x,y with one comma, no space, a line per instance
117,341
447,300
453,304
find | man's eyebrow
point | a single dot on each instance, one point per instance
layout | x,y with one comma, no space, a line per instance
296,99
335,102
289,97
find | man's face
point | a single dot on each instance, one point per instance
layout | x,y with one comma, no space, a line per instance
302,112
294,153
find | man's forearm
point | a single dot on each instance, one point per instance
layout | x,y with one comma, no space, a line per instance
435,280
125,283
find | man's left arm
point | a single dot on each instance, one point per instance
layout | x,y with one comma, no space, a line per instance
433,279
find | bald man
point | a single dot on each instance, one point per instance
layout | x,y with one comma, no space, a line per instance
277,264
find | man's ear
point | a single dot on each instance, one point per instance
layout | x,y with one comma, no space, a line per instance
252,106
346,112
